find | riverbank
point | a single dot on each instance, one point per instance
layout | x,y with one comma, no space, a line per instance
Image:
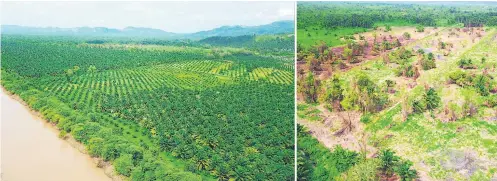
23,137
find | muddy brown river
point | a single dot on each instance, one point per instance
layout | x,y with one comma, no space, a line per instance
32,151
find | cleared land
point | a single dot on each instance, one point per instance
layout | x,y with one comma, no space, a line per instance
440,145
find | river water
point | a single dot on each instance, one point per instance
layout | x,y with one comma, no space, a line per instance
32,151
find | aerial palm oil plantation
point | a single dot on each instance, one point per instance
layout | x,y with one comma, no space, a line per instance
397,91
218,108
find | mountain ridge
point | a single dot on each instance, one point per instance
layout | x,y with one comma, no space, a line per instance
277,27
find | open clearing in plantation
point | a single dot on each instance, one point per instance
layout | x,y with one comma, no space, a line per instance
451,141
164,111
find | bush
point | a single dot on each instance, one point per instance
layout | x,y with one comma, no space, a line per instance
466,63
366,90
304,166
62,134
388,161
431,56
407,35
83,132
420,28
183,176
420,51
366,118
64,124
366,170
404,54
482,84
428,64
405,70
388,28
324,164
491,101
95,146
405,172
344,159
418,106
460,78
124,165
432,99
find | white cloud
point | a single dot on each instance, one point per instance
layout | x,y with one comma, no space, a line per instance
286,12
170,16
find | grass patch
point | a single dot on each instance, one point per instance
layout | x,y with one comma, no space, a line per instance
332,37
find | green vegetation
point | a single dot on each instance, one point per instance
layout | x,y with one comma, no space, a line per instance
332,37
163,110
415,94
263,43
320,163
330,21
315,162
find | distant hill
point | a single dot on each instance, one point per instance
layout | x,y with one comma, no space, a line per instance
259,42
278,27
85,31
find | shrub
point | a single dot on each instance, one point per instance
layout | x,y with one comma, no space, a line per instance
419,106
365,170
390,83
183,176
428,64
460,78
404,54
407,35
405,70
482,84
432,99
124,165
491,101
95,146
304,166
388,28
420,28
466,63
420,51
344,159
335,91
405,172
83,132
442,45
64,124
367,90
366,118
62,134
431,56
388,161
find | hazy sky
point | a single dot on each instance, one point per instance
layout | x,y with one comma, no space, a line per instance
179,17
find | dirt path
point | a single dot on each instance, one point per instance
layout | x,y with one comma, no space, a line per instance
322,131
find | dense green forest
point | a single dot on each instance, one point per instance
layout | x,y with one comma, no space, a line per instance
367,15
332,17
261,43
164,110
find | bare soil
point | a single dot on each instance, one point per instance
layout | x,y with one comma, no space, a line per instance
325,132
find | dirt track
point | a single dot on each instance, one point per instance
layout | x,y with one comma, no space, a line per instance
322,131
